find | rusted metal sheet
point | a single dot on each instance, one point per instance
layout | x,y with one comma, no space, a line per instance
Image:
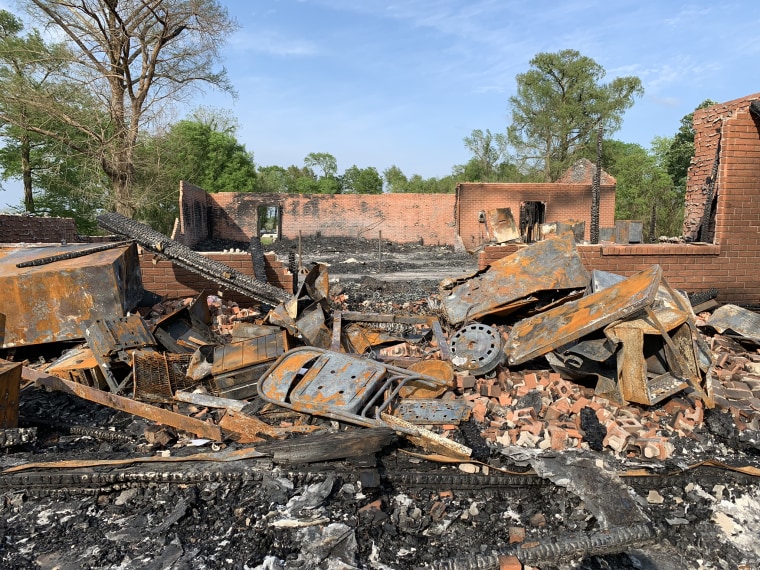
111,338
541,333
236,355
185,329
628,231
640,359
544,266
441,369
10,381
429,411
733,320
110,341
362,338
335,385
237,366
553,229
634,383
501,225
79,365
159,415
416,320
51,302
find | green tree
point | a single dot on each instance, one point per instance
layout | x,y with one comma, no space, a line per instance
678,156
645,190
271,180
136,58
395,180
322,160
558,107
202,150
27,66
362,180
488,152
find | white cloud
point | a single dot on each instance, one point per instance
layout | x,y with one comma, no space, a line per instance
273,43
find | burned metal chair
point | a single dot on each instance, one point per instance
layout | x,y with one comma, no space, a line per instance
351,389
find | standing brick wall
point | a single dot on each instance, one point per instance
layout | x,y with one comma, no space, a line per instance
16,228
730,263
192,226
162,277
563,202
402,218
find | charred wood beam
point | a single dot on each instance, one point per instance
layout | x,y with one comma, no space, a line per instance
327,447
156,414
193,261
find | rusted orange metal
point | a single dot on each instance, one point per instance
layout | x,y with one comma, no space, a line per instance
156,414
501,288
79,365
501,225
10,381
336,385
541,333
339,318
249,429
51,302
236,355
238,365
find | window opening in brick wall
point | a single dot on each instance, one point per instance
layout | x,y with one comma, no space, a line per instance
270,222
532,215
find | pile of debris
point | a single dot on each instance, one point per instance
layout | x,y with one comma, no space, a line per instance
532,369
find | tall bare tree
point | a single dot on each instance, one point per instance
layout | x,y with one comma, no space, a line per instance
136,57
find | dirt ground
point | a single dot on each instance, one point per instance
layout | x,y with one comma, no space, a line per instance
387,509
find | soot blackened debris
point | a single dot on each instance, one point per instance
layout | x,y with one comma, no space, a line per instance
688,471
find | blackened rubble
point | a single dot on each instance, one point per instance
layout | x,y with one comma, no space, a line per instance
680,477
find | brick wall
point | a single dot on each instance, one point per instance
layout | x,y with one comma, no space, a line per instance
192,225
563,201
728,264
33,229
402,218
168,280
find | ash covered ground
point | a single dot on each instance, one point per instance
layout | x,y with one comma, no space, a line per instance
386,509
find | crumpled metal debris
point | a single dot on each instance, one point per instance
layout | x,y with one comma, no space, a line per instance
535,273
735,321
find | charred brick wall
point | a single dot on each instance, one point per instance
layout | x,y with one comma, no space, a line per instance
402,218
33,229
563,201
164,278
192,226
729,263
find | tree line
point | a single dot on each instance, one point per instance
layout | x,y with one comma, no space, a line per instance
82,122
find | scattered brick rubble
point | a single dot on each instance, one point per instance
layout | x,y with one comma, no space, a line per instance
514,408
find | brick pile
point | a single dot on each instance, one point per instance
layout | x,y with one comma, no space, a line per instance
542,410
736,382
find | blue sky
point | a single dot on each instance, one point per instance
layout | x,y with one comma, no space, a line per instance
384,82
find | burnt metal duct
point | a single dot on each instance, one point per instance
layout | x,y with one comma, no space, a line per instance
193,261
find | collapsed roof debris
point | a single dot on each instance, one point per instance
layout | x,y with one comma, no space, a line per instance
190,260
531,376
